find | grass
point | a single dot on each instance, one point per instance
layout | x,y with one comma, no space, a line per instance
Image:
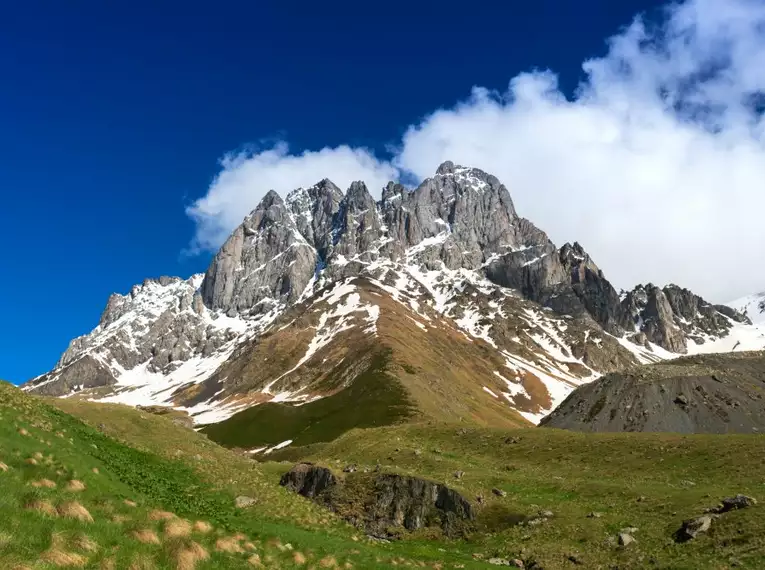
648,481
374,399
156,488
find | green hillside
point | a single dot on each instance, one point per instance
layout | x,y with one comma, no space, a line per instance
155,480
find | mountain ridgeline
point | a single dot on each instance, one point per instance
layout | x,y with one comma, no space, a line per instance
442,297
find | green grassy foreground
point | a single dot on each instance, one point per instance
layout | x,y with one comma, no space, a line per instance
134,491
651,482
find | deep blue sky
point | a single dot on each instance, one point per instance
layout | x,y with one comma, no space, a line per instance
113,116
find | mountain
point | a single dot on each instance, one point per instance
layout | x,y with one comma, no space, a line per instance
753,306
720,393
441,302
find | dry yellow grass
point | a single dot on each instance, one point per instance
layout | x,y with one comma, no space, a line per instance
3,467
228,544
85,543
37,455
177,528
161,516
107,564
130,503
119,519
41,506
146,536
299,558
75,486
31,461
46,483
254,560
63,559
189,554
5,539
202,527
23,431
95,470
328,562
74,510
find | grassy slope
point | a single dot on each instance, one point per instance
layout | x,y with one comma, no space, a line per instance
373,399
167,468
573,474
568,473
405,374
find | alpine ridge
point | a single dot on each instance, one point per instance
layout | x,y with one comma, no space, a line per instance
440,298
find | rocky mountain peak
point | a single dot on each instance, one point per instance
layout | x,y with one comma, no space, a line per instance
450,255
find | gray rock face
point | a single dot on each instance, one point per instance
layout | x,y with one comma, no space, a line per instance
308,480
703,394
84,373
411,501
379,502
672,316
160,323
266,258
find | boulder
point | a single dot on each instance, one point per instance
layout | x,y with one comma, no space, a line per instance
692,528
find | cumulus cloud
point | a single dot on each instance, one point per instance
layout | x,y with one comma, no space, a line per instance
246,176
656,164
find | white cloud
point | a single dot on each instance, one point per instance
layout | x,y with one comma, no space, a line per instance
656,165
245,177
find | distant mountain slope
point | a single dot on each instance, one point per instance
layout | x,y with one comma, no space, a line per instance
721,393
753,306
479,315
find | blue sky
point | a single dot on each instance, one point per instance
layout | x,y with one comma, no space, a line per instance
114,117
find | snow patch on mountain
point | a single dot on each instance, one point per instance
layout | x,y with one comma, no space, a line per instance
753,306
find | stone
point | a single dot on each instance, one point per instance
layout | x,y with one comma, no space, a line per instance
499,561
594,515
499,492
691,528
546,514
735,503
459,474
625,539
243,501
682,400
350,468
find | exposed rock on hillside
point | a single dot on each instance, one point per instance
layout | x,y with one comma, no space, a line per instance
701,394
379,503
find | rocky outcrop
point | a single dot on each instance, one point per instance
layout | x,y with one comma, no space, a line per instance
382,502
265,260
159,324
671,317
413,503
308,480
691,528
82,374
702,394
